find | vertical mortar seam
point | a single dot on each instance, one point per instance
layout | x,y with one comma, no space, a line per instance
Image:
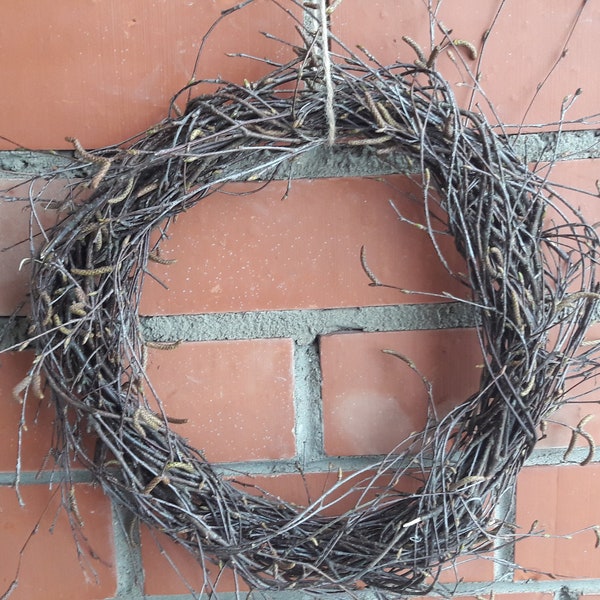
308,405
128,557
310,23
504,551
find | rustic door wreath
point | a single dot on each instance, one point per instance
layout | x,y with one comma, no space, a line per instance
531,276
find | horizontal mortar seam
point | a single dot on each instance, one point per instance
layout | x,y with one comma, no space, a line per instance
26,478
583,586
337,161
308,404
302,325
577,586
541,458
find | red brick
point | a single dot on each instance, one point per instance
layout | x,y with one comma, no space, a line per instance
50,567
579,175
529,596
258,252
307,489
237,395
580,402
300,490
163,579
468,568
39,418
526,596
14,242
564,501
372,401
534,30
122,66
171,569
104,75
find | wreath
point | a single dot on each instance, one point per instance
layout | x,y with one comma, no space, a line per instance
530,265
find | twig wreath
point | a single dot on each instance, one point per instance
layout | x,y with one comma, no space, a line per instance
530,260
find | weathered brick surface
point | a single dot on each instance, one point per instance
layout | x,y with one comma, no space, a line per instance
37,547
258,251
104,75
236,395
35,418
372,401
524,44
562,502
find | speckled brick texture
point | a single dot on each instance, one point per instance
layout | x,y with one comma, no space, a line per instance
37,545
237,396
562,504
242,251
372,400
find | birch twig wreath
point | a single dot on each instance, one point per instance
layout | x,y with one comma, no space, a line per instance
530,266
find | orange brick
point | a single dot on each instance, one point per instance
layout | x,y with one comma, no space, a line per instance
237,395
379,25
39,418
104,75
372,401
171,569
468,568
530,596
50,567
99,73
564,501
256,252
580,174
163,578
577,175
14,242
580,402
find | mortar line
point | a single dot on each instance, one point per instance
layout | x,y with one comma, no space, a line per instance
319,463
310,23
504,551
578,586
127,553
9,478
565,594
302,325
335,161
573,587
308,403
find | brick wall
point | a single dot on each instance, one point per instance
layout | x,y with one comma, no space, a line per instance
282,363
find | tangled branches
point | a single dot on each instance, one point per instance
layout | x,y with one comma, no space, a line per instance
530,265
